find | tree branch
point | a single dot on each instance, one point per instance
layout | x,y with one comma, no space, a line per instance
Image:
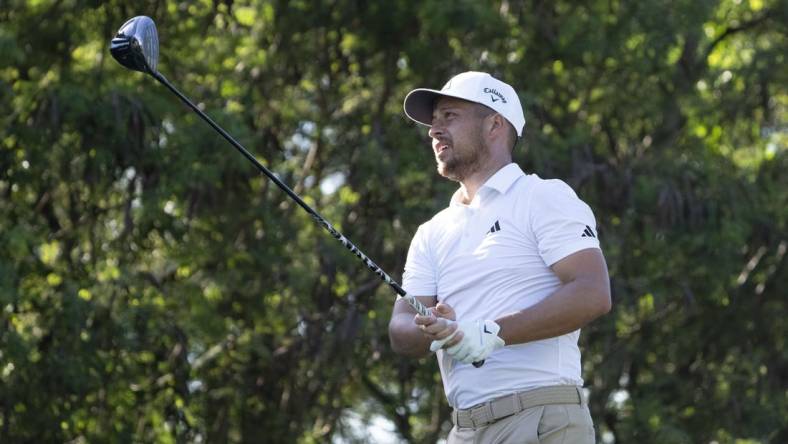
736,29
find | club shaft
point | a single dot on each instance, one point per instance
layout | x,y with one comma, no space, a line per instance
412,301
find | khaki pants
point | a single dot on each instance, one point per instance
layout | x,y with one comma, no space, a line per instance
543,424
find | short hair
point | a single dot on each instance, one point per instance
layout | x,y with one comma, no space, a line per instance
483,111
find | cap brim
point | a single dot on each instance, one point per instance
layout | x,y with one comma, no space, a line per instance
419,103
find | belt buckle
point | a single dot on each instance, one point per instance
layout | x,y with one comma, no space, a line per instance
505,406
483,409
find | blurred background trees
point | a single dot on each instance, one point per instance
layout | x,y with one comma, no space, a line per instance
155,288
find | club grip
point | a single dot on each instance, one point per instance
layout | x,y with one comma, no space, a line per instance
424,311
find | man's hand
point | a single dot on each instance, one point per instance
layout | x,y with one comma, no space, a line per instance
479,339
440,328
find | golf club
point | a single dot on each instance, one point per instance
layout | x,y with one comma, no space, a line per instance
136,46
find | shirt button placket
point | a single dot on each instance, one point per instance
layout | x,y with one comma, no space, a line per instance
467,223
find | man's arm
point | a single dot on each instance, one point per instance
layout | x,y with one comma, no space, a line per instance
405,336
411,334
583,296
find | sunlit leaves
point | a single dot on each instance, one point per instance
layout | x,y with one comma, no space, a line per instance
156,288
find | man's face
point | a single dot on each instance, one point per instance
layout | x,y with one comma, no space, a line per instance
457,140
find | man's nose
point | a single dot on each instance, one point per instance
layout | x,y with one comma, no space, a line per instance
435,131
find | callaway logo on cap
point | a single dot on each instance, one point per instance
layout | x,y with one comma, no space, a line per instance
473,86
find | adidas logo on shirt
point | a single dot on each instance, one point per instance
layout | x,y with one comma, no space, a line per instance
588,232
496,227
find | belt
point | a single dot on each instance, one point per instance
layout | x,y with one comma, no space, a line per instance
488,412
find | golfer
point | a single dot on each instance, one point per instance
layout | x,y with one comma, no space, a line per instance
512,270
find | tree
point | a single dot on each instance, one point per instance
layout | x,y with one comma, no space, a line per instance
155,288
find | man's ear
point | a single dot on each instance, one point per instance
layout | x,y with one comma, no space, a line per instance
497,125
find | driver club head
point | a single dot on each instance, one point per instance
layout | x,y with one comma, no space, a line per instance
136,45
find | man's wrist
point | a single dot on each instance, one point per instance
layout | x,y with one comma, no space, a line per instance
501,330
492,327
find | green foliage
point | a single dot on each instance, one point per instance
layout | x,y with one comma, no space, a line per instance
155,288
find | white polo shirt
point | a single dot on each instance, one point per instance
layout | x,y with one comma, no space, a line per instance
493,257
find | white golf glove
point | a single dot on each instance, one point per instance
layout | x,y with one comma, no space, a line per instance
480,339
437,345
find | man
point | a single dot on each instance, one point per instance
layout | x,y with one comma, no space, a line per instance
512,269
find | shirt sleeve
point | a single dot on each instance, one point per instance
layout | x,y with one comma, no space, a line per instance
419,276
562,223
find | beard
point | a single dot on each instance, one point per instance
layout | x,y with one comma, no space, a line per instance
465,160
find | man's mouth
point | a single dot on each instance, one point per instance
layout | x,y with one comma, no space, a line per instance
441,147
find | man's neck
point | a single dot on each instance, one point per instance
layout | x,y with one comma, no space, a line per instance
471,184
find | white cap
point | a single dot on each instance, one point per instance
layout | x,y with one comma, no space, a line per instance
478,87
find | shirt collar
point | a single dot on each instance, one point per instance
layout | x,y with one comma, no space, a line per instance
504,178
501,181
